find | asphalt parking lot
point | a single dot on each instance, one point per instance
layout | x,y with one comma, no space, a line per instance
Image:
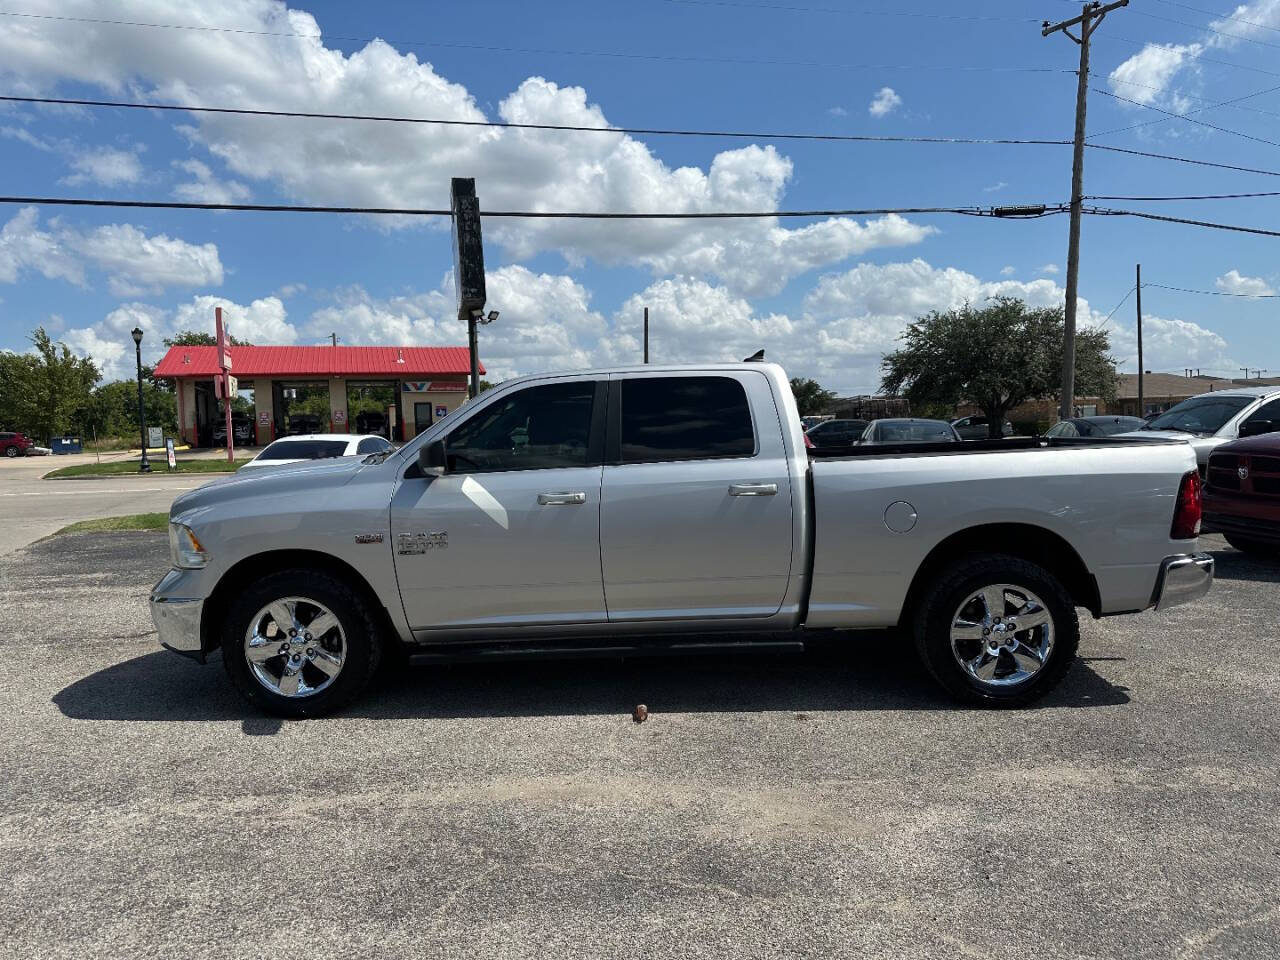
826,805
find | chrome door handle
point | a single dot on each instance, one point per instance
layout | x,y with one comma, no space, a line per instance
548,499
752,489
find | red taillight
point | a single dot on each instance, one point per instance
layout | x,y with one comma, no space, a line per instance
1186,515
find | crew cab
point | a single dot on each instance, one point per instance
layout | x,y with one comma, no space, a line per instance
672,508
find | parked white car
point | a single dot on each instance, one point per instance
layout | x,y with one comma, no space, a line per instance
1209,420
317,446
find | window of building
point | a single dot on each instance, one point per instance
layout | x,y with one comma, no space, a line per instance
684,418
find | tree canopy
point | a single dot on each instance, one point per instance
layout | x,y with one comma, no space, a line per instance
810,396
994,357
45,393
198,338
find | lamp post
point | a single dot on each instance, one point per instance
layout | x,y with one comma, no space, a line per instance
142,417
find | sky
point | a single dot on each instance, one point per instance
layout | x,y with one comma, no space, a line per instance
827,296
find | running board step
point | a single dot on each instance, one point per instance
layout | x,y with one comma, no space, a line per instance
474,654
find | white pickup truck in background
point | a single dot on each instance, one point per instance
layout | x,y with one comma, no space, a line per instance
672,508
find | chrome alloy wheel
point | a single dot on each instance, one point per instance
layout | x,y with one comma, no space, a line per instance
1002,635
295,647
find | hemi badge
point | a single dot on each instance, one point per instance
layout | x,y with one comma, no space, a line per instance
368,538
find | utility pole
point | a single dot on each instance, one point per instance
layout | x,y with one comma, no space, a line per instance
646,334
1141,406
334,338
1089,19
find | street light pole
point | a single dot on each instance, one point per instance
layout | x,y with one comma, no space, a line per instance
145,466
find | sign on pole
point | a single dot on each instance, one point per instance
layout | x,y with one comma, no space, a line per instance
225,379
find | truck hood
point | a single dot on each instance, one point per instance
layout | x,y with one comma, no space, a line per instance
309,477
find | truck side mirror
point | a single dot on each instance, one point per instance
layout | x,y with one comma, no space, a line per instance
1254,428
431,459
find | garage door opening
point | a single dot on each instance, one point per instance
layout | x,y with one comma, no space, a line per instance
367,405
301,406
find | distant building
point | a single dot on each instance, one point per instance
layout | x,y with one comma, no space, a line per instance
393,391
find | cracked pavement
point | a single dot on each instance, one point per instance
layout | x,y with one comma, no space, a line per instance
831,804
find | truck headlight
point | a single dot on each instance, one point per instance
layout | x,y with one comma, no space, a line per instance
185,550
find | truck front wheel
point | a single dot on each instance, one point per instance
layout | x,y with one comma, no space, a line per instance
300,643
996,630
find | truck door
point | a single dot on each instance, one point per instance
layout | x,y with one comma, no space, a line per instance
510,535
696,514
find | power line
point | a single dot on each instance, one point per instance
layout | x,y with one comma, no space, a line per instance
489,48
1202,196
516,214
859,13
1196,56
1168,156
1182,116
645,131
1218,16
1217,293
1105,212
1210,106
1234,103
1102,325
1206,29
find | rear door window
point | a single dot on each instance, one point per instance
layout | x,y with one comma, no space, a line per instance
684,418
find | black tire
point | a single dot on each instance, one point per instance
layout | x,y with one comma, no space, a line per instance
940,604
359,627
11,452
1257,547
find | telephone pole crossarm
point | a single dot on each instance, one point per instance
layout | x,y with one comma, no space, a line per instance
1096,10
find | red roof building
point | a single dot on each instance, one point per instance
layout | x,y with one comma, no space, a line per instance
392,391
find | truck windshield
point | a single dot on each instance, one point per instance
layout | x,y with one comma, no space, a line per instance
1203,415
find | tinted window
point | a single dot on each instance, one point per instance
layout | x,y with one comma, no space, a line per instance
914,431
1110,428
372,445
7,436
1268,411
685,418
304,450
1063,428
533,429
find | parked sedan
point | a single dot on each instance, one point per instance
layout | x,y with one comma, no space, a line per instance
1242,494
979,428
836,433
317,446
15,444
1095,426
1211,419
909,430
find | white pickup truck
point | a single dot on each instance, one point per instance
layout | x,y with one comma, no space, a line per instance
672,508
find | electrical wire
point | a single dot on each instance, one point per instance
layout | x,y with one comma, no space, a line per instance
1210,106
1168,156
1199,57
1169,114
1234,103
1206,29
516,214
489,48
1202,196
1105,212
645,131
1103,324
1218,16
1216,293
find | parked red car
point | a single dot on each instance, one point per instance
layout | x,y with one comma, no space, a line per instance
15,444
1242,494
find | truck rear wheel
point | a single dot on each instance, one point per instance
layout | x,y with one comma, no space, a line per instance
1257,547
300,643
996,630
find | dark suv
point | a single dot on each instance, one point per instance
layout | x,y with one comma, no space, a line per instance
14,444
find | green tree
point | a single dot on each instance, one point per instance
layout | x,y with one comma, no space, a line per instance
113,411
46,394
198,338
994,357
810,396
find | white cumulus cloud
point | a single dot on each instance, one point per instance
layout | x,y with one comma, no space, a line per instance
133,261
884,102
207,188
107,166
1234,282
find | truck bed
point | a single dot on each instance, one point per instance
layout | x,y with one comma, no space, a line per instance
978,446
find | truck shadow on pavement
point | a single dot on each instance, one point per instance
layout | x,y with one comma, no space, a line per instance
857,676
1231,564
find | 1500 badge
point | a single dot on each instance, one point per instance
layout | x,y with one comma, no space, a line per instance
407,543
